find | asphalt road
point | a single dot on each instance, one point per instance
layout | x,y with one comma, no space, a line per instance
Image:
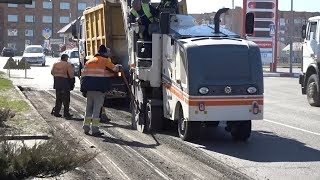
37,77
285,145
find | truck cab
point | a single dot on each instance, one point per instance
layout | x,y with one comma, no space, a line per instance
309,80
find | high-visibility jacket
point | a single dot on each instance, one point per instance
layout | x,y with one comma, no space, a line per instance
146,10
63,74
96,74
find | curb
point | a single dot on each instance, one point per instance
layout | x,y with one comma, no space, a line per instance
25,137
292,75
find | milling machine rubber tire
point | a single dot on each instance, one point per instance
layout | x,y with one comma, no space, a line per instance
185,128
153,119
137,118
241,130
313,91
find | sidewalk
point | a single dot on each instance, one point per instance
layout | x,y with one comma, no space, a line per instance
282,72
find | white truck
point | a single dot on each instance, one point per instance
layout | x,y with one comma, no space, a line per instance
309,79
192,74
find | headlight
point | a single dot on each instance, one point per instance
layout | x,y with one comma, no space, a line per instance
252,90
203,90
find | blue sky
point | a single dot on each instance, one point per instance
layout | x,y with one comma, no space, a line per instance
202,6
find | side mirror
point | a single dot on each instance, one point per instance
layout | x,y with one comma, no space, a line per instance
74,31
249,25
304,31
165,23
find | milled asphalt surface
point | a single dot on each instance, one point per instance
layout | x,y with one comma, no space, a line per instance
284,146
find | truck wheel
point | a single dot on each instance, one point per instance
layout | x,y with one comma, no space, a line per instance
137,118
153,119
241,130
185,128
313,91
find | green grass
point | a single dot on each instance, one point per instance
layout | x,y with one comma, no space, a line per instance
16,105
5,84
5,102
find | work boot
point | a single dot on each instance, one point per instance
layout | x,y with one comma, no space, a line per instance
86,128
68,115
57,115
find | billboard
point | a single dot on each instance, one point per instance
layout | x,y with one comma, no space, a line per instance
266,26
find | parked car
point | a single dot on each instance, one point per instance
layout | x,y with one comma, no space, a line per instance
34,54
73,59
7,52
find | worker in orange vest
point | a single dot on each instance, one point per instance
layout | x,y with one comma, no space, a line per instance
64,80
95,82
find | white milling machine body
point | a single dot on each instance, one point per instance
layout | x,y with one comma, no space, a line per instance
195,75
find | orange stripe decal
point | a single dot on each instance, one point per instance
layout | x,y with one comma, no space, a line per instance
212,100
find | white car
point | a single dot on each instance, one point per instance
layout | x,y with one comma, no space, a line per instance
73,59
34,54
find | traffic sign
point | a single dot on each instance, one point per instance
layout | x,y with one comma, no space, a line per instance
46,33
56,41
272,31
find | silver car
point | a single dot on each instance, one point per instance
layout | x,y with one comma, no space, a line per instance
34,54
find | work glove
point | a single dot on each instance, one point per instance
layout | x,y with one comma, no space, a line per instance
119,67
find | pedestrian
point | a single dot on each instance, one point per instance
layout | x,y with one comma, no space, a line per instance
95,82
144,14
64,80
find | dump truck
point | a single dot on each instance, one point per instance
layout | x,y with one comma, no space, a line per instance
309,79
103,24
194,75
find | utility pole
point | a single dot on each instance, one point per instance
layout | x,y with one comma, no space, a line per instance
292,36
232,15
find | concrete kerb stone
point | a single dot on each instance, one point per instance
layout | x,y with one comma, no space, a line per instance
292,75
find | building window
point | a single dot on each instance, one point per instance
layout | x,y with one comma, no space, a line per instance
33,5
12,45
12,5
29,18
12,32
64,19
297,21
12,18
47,19
82,6
47,5
64,5
29,32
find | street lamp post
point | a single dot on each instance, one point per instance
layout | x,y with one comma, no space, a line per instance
292,36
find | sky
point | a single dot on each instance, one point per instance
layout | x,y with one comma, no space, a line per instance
205,6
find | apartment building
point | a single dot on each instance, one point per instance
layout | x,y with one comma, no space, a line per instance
23,24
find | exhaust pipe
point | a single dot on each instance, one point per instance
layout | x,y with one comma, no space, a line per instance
217,19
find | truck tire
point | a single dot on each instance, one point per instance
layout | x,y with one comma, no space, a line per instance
153,119
185,128
137,118
313,91
240,130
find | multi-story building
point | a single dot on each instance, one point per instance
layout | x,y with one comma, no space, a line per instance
300,18
23,24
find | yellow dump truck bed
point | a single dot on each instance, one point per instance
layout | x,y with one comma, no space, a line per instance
104,25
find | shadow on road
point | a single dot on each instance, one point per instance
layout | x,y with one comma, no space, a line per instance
128,143
262,147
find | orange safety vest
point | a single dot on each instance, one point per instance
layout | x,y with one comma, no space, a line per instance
98,67
62,69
